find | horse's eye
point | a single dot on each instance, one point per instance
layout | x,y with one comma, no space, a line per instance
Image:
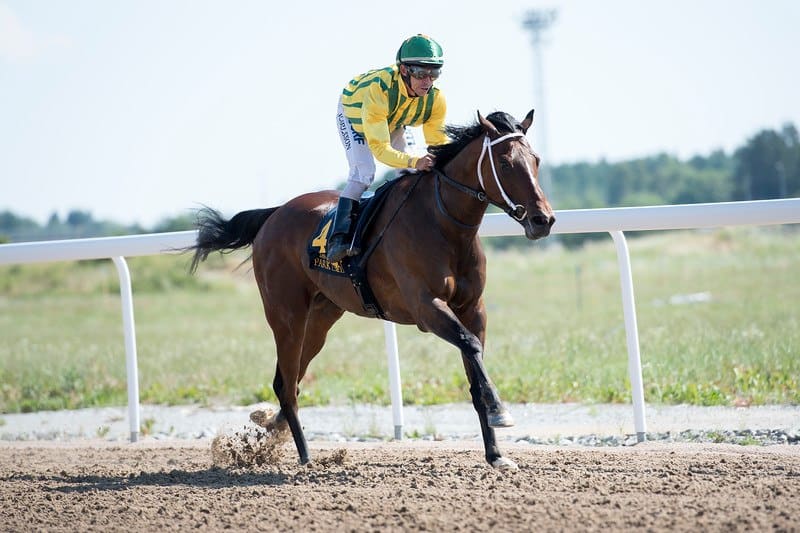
505,165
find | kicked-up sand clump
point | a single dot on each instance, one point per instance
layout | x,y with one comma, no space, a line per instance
252,446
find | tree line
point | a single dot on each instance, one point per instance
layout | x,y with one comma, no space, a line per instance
79,224
766,166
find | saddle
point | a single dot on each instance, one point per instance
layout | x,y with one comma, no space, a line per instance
354,267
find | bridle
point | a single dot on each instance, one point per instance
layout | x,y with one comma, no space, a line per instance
515,211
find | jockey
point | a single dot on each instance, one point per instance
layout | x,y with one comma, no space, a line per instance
374,110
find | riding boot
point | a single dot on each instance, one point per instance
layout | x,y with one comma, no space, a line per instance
339,244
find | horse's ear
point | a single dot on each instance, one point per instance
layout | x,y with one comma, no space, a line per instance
488,127
527,122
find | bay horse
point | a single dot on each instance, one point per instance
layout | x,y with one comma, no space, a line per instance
428,270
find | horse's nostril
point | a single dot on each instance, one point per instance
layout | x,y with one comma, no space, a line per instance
540,220
552,221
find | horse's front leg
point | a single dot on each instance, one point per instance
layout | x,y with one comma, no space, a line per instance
475,320
442,321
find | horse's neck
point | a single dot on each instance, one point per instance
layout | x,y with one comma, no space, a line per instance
460,205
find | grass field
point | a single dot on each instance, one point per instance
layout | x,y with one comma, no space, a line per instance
718,313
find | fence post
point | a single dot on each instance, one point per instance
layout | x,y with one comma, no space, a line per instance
131,365
631,334
393,357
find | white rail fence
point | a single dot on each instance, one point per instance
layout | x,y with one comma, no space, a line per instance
613,221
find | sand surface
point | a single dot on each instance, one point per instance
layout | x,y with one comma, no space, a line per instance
94,485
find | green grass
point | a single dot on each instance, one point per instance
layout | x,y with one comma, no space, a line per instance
556,332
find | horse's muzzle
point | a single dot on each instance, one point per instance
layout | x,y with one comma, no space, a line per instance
538,226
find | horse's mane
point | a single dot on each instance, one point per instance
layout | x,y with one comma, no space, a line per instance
462,135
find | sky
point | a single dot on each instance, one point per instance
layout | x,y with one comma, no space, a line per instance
140,110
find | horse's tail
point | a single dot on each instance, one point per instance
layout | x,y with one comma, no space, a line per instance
214,233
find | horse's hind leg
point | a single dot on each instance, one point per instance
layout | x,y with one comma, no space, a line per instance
289,345
286,306
322,316
300,333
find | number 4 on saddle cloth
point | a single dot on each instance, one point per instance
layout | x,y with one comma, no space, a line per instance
354,267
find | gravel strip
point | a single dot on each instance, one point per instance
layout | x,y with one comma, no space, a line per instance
541,424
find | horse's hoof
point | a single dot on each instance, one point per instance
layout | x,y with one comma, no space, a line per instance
504,463
501,419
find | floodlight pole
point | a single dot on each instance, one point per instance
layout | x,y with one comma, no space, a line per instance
537,21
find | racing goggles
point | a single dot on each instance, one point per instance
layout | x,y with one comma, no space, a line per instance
421,72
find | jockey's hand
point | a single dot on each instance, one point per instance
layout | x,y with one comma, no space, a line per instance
425,162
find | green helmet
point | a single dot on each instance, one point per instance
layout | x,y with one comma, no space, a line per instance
422,50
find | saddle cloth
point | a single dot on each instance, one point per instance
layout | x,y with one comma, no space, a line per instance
354,267
369,207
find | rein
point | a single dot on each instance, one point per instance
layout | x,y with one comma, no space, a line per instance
357,271
362,263
515,211
478,195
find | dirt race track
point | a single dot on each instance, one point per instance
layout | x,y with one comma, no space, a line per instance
433,486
